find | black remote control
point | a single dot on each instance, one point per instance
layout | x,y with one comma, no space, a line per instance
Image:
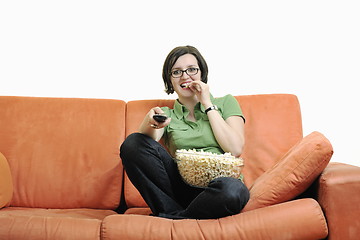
160,118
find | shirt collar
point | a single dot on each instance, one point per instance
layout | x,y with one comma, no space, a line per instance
181,111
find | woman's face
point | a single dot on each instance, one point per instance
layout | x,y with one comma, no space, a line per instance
185,62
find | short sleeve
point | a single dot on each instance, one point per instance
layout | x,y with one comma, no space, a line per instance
230,107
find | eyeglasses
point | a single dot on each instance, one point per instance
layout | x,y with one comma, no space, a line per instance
190,72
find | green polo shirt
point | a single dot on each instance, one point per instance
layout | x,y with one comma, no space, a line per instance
182,133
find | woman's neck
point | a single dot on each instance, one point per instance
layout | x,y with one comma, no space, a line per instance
189,103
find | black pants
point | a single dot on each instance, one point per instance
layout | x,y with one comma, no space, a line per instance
154,173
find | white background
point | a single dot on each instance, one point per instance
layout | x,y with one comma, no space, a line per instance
116,49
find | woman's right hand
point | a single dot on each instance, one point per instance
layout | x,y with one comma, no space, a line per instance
152,122
151,127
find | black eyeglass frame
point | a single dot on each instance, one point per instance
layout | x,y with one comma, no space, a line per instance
185,71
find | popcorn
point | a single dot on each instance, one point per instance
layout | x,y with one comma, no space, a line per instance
198,168
185,85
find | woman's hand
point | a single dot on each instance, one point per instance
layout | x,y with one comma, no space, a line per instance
151,127
202,92
152,122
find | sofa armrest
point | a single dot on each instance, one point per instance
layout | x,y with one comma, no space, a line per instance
338,194
6,185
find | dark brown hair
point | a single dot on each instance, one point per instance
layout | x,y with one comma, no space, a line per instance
173,57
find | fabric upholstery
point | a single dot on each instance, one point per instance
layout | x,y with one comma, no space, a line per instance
339,197
300,219
293,174
139,211
273,125
56,224
63,153
6,185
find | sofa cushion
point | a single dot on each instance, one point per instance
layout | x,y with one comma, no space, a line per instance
6,185
258,224
273,125
35,223
293,174
63,152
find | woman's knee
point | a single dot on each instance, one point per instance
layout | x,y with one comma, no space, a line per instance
233,192
130,142
134,142
130,147
138,148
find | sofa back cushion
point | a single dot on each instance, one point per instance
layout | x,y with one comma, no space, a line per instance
273,125
6,185
63,152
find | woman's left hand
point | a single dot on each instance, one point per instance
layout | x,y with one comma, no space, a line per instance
202,92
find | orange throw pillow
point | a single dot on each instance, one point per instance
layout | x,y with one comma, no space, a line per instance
6,185
293,174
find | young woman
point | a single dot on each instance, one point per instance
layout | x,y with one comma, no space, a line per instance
197,121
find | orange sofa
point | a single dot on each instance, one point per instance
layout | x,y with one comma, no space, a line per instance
61,176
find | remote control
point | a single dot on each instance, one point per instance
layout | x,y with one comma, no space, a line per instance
160,118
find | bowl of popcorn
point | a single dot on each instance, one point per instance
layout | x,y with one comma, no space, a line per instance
198,168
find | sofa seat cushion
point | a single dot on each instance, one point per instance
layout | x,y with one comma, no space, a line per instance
35,223
300,219
6,185
293,174
139,211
